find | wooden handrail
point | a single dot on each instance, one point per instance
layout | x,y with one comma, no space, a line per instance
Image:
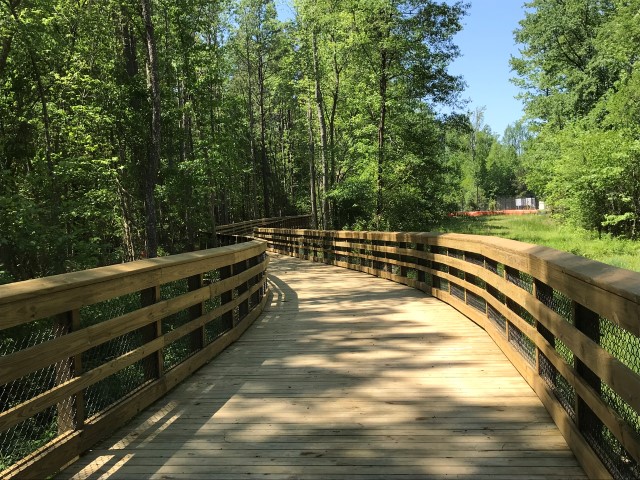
139,328
569,325
247,227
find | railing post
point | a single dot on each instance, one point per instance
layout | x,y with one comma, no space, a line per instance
325,248
255,297
587,322
70,412
243,308
313,242
404,271
153,364
195,282
540,292
422,276
226,297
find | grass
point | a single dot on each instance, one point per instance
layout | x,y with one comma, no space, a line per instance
548,231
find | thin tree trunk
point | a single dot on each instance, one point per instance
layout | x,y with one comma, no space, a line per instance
332,117
381,131
312,171
264,161
324,157
8,40
4,53
45,114
153,162
125,210
252,122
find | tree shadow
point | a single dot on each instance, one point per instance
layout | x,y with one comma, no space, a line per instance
343,376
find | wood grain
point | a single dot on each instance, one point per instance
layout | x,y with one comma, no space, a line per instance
344,375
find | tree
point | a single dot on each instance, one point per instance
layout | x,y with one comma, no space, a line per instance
557,68
408,46
580,60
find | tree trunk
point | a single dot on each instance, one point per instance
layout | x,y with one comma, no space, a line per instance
251,198
264,161
125,210
45,115
153,159
312,171
8,40
4,53
324,157
332,117
381,131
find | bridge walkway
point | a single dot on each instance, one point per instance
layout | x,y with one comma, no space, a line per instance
345,375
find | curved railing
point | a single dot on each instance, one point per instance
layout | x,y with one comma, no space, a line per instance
82,353
247,227
569,325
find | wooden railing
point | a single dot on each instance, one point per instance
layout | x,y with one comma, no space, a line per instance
82,353
247,227
569,325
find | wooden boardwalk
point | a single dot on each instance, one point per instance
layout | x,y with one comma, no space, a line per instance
344,376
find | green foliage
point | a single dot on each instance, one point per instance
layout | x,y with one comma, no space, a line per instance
240,131
579,65
551,232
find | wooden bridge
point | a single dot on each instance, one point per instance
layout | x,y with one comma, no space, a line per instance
519,361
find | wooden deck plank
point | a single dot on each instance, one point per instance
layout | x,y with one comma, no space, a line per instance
344,375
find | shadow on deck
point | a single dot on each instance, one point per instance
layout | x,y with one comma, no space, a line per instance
344,376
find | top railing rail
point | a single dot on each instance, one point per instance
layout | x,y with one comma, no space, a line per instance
571,326
247,227
82,353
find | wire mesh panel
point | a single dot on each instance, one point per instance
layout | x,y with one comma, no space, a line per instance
108,309
521,312
26,437
563,390
440,267
477,281
521,279
476,302
30,434
441,283
437,249
495,293
456,273
522,344
625,347
556,301
497,318
620,343
112,389
177,351
608,448
474,258
457,291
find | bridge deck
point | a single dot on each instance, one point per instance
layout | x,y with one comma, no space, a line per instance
344,375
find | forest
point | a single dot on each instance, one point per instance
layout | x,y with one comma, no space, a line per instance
131,129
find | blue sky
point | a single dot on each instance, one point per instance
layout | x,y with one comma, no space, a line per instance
486,44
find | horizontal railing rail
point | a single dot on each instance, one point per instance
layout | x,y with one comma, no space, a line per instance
82,353
569,325
247,227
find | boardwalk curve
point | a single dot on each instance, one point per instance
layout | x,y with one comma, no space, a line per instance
344,376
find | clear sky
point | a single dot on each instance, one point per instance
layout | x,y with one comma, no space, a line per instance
486,44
